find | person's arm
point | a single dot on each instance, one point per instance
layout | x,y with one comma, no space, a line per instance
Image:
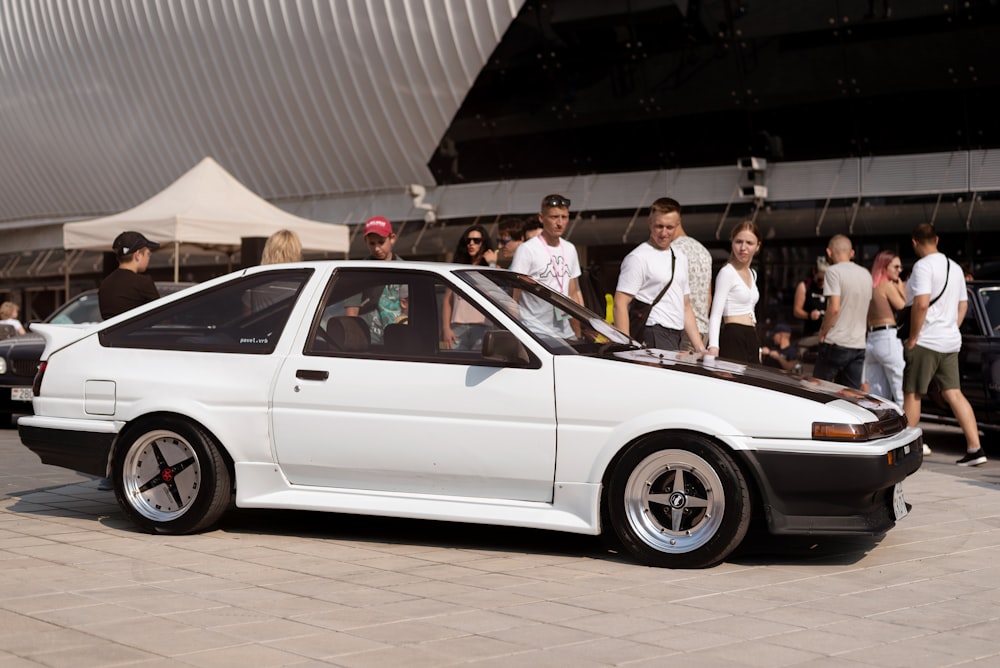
832,313
895,294
622,300
799,305
918,313
775,354
723,283
447,335
574,291
691,326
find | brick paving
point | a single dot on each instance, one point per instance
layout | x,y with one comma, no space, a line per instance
79,586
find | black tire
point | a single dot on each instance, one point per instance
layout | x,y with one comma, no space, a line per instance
170,477
678,501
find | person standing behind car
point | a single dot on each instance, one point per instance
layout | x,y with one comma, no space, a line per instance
549,258
699,278
462,324
381,305
8,316
809,304
282,246
884,350
848,290
646,271
510,236
732,325
128,286
931,352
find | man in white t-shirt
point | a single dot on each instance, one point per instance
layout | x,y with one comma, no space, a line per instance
552,261
644,274
931,352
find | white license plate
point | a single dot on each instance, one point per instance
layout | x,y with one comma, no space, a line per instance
898,502
21,394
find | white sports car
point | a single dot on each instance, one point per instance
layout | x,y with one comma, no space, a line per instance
328,386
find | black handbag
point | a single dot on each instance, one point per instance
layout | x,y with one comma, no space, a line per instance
638,311
903,317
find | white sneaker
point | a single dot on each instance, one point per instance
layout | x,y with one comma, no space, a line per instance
927,449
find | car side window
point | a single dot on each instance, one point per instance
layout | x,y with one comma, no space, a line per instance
387,314
246,315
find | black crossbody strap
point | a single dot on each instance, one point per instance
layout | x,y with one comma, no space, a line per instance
945,286
673,272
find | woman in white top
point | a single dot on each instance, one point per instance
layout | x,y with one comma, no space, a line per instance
732,325
8,316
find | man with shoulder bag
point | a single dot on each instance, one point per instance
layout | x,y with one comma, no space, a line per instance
934,341
653,291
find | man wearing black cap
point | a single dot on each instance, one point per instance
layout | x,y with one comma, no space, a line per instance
127,287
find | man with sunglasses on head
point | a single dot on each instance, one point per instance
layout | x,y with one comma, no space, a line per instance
549,258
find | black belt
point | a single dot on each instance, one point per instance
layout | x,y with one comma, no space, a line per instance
879,328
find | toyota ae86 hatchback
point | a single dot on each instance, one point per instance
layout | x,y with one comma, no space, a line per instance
328,386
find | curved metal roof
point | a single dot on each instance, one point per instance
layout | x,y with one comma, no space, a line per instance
104,103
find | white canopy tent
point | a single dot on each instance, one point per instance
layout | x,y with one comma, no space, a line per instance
205,208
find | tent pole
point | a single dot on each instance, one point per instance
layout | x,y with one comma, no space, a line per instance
177,261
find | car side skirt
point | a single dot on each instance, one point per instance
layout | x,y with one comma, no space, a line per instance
576,506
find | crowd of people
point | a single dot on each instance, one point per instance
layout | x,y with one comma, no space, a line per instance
874,331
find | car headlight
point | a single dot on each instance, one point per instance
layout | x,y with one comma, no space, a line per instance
867,431
3,365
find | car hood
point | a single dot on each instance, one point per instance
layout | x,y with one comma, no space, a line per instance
758,376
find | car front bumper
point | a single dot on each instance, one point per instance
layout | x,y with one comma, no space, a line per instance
834,493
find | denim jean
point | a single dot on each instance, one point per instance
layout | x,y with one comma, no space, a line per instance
470,336
842,365
884,365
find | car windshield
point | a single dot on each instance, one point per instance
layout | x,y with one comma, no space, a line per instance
991,302
81,310
560,324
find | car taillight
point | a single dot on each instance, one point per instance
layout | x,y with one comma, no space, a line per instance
36,387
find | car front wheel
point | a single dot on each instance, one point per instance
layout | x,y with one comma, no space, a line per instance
170,477
678,501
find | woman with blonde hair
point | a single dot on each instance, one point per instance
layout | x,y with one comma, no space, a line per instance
732,325
282,246
8,316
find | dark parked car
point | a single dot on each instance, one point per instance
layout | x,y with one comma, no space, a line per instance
19,355
979,360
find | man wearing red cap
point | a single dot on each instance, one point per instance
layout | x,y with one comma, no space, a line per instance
380,240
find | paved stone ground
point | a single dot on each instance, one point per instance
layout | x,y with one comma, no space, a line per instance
79,586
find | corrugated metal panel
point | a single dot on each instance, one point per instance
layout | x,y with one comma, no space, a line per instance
102,104
984,171
928,173
820,180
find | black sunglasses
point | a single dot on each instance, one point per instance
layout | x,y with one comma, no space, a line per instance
503,241
472,240
556,200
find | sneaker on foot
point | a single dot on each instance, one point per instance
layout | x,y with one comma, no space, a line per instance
106,484
927,449
974,458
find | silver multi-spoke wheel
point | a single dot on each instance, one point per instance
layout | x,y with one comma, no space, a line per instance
677,500
161,476
171,476
674,501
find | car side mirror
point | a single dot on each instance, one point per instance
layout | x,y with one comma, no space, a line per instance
500,345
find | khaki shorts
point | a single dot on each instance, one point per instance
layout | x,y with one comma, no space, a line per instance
924,365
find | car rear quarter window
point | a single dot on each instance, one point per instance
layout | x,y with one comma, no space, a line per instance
246,315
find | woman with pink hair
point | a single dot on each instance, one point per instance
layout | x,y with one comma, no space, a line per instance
883,349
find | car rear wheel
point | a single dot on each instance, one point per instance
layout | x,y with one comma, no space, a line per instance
678,502
170,477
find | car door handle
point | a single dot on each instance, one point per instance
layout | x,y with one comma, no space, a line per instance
310,374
